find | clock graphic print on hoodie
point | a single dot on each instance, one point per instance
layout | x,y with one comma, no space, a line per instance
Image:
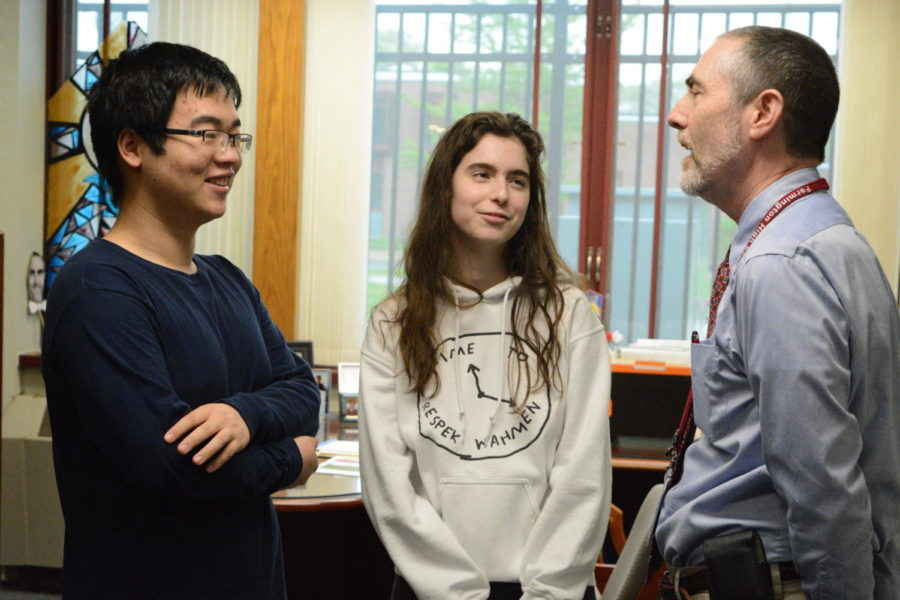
472,415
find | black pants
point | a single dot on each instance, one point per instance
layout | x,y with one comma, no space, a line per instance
499,591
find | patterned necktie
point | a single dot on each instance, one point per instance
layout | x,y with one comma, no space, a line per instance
687,428
718,289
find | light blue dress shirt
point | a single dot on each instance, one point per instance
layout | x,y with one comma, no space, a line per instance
797,394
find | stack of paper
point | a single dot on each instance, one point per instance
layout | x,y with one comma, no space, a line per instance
338,448
672,352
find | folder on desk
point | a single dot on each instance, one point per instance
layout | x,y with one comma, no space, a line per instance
347,466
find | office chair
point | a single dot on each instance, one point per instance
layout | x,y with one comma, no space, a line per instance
630,572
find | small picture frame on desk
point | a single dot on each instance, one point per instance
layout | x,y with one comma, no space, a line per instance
323,379
349,408
348,391
303,349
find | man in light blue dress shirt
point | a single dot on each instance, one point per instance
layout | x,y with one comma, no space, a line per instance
797,391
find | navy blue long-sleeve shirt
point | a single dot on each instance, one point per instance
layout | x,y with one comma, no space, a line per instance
129,348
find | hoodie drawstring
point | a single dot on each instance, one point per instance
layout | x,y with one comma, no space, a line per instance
504,360
460,405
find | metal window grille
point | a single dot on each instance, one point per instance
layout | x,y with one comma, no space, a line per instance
425,79
693,234
89,23
436,63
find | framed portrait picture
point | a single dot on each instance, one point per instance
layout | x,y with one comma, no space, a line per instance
349,408
348,391
323,378
304,349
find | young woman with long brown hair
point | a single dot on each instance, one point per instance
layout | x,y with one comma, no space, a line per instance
484,435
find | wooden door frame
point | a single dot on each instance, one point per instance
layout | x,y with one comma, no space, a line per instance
279,158
599,118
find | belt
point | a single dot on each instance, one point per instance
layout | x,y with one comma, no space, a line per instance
698,581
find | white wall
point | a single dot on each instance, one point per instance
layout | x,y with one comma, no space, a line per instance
22,102
340,46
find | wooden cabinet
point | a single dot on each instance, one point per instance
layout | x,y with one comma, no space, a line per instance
647,402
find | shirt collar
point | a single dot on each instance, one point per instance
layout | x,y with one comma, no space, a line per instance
760,205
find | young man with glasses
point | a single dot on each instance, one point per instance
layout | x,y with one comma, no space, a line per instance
176,406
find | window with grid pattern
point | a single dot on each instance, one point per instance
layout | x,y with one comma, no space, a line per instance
437,62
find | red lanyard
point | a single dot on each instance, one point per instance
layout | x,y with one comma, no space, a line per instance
685,433
787,200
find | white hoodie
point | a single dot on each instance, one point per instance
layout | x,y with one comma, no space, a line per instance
464,491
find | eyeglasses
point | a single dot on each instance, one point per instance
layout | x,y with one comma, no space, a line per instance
241,142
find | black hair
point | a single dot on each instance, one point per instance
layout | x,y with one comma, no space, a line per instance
137,91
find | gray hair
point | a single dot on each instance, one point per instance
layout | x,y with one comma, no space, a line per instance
801,70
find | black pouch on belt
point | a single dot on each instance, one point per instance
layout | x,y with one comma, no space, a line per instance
737,567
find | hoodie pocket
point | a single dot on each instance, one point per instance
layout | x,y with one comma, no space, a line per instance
491,519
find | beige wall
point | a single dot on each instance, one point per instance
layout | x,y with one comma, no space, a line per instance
336,171
22,98
867,178
229,32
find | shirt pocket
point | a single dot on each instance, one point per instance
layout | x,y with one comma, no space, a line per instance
709,407
491,519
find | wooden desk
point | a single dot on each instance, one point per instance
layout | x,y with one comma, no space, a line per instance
321,492
331,549
641,464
